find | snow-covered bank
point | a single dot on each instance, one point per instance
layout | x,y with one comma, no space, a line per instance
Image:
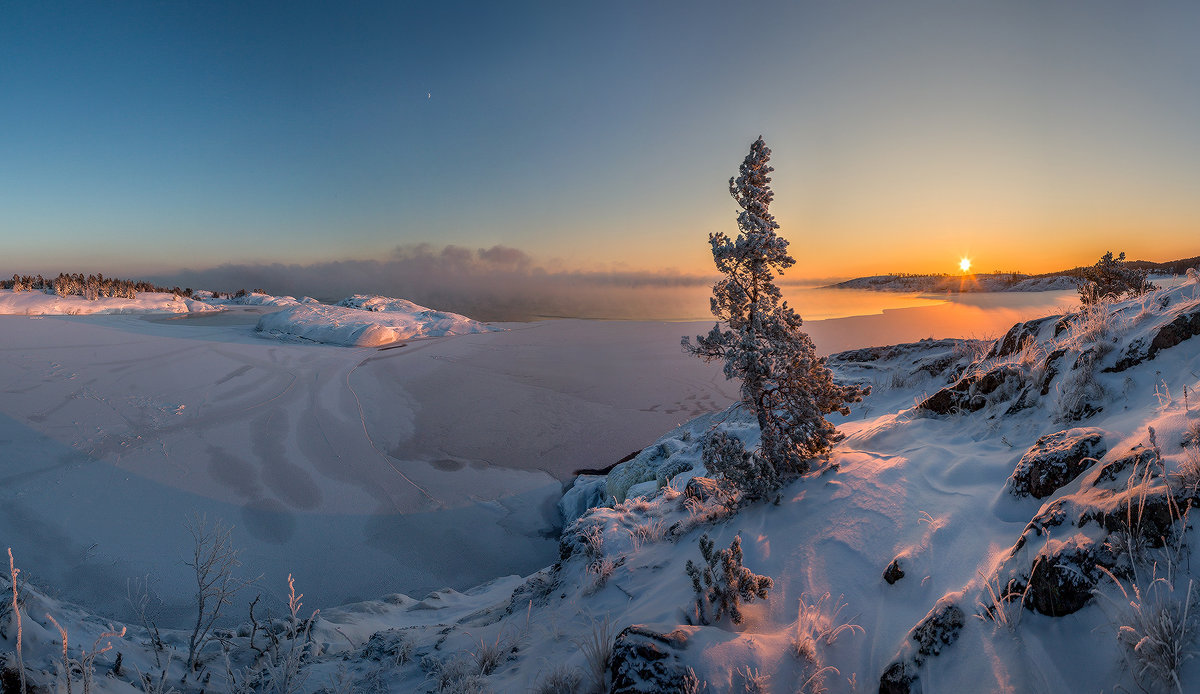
37,303
366,321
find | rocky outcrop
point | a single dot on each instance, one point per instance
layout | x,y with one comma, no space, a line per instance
644,661
1185,326
1054,460
970,393
1016,336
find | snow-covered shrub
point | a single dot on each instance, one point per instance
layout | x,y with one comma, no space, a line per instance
1191,434
752,681
723,583
820,622
492,654
597,647
1080,390
752,474
454,675
1187,474
784,382
560,680
1002,606
1155,626
648,532
1110,279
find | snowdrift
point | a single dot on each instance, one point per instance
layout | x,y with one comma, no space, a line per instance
37,303
366,321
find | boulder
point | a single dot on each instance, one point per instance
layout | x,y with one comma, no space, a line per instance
1054,460
893,572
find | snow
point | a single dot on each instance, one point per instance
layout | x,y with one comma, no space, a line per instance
37,303
366,321
556,397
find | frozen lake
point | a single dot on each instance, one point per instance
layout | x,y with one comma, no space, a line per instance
361,471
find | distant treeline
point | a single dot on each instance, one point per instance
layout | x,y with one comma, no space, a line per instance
87,286
1170,267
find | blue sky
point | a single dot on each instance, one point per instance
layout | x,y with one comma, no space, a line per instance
144,137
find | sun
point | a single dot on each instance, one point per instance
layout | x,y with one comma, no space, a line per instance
965,264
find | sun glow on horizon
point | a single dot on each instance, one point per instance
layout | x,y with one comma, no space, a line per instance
965,265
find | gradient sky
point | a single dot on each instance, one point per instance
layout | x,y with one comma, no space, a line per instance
140,137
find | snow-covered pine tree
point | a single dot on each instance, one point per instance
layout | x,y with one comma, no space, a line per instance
1111,279
787,386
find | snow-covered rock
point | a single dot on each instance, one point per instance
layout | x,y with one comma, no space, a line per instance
1054,460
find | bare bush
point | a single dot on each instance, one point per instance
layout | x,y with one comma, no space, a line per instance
213,563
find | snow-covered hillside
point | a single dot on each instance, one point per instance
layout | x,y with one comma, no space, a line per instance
973,532
366,321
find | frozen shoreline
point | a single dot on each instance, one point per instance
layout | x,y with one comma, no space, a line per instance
325,456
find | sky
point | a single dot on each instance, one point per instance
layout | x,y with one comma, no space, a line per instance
595,140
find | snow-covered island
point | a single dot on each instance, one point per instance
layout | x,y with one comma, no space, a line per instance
998,282
969,282
366,321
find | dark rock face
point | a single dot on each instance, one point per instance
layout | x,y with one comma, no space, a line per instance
898,678
1062,582
644,661
1184,326
1017,335
1051,369
1151,518
968,395
1139,457
1054,460
931,636
893,572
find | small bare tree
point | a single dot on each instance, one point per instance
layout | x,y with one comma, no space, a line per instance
214,561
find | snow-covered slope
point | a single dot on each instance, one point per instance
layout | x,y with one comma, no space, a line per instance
366,321
37,303
951,543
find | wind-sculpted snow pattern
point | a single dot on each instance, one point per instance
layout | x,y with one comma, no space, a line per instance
363,321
